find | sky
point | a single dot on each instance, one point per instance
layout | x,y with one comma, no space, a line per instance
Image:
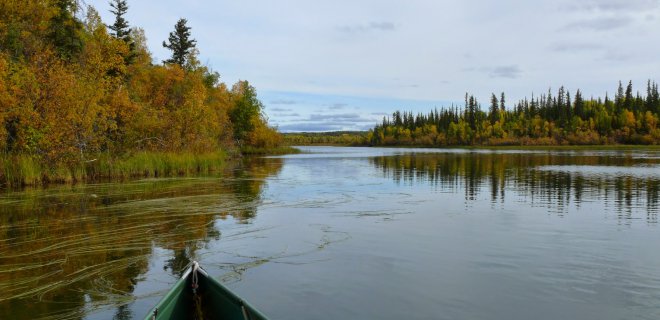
329,65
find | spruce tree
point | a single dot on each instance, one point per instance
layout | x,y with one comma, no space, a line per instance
649,95
578,105
502,107
494,109
618,98
628,102
120,29
66,30
569,111
180,43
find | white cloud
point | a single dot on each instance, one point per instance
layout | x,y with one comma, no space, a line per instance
415,50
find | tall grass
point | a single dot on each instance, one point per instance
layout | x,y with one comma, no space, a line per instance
150,164
19,170
25,170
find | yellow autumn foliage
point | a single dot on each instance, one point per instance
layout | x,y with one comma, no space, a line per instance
69,108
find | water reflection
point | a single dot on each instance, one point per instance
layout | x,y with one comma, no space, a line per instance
356,233
556,181
68,251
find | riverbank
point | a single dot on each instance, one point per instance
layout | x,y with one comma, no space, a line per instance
26,170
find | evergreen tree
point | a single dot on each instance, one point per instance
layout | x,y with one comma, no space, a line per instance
65,30
569,113
502,108
494,109
655,102
560,113
532,106
649,96
579,104
180,43
472,112
618,98
628,100
397,118
120,29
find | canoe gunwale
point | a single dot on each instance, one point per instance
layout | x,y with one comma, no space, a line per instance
247,310
169,296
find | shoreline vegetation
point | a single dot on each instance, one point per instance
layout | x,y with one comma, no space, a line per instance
82,100
17,171
24,170
545,120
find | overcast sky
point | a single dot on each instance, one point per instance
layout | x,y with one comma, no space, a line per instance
341,65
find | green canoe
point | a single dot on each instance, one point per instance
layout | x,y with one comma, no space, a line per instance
200,297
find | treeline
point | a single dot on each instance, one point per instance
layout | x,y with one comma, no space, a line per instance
73,89
343,138
560,119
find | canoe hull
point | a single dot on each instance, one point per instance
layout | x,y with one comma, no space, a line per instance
210,301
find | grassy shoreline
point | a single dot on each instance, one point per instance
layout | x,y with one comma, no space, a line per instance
25,170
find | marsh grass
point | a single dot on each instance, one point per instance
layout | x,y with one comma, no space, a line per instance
148,164
26,170
20,170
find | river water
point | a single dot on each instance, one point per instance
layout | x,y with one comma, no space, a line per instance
347,233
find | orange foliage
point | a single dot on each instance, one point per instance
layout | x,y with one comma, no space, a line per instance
69,111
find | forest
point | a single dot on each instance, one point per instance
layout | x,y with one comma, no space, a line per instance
339,138
560,119
79,98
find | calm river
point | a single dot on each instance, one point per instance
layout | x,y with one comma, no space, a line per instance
352,233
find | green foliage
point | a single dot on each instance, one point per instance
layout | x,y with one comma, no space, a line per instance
342,138
70,100
65,30
180,43
545,120
120,28
246,108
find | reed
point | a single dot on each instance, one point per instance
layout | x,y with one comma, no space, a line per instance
19,170
26,170
152,164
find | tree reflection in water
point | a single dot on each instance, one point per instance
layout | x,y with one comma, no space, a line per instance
69,250
553,180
